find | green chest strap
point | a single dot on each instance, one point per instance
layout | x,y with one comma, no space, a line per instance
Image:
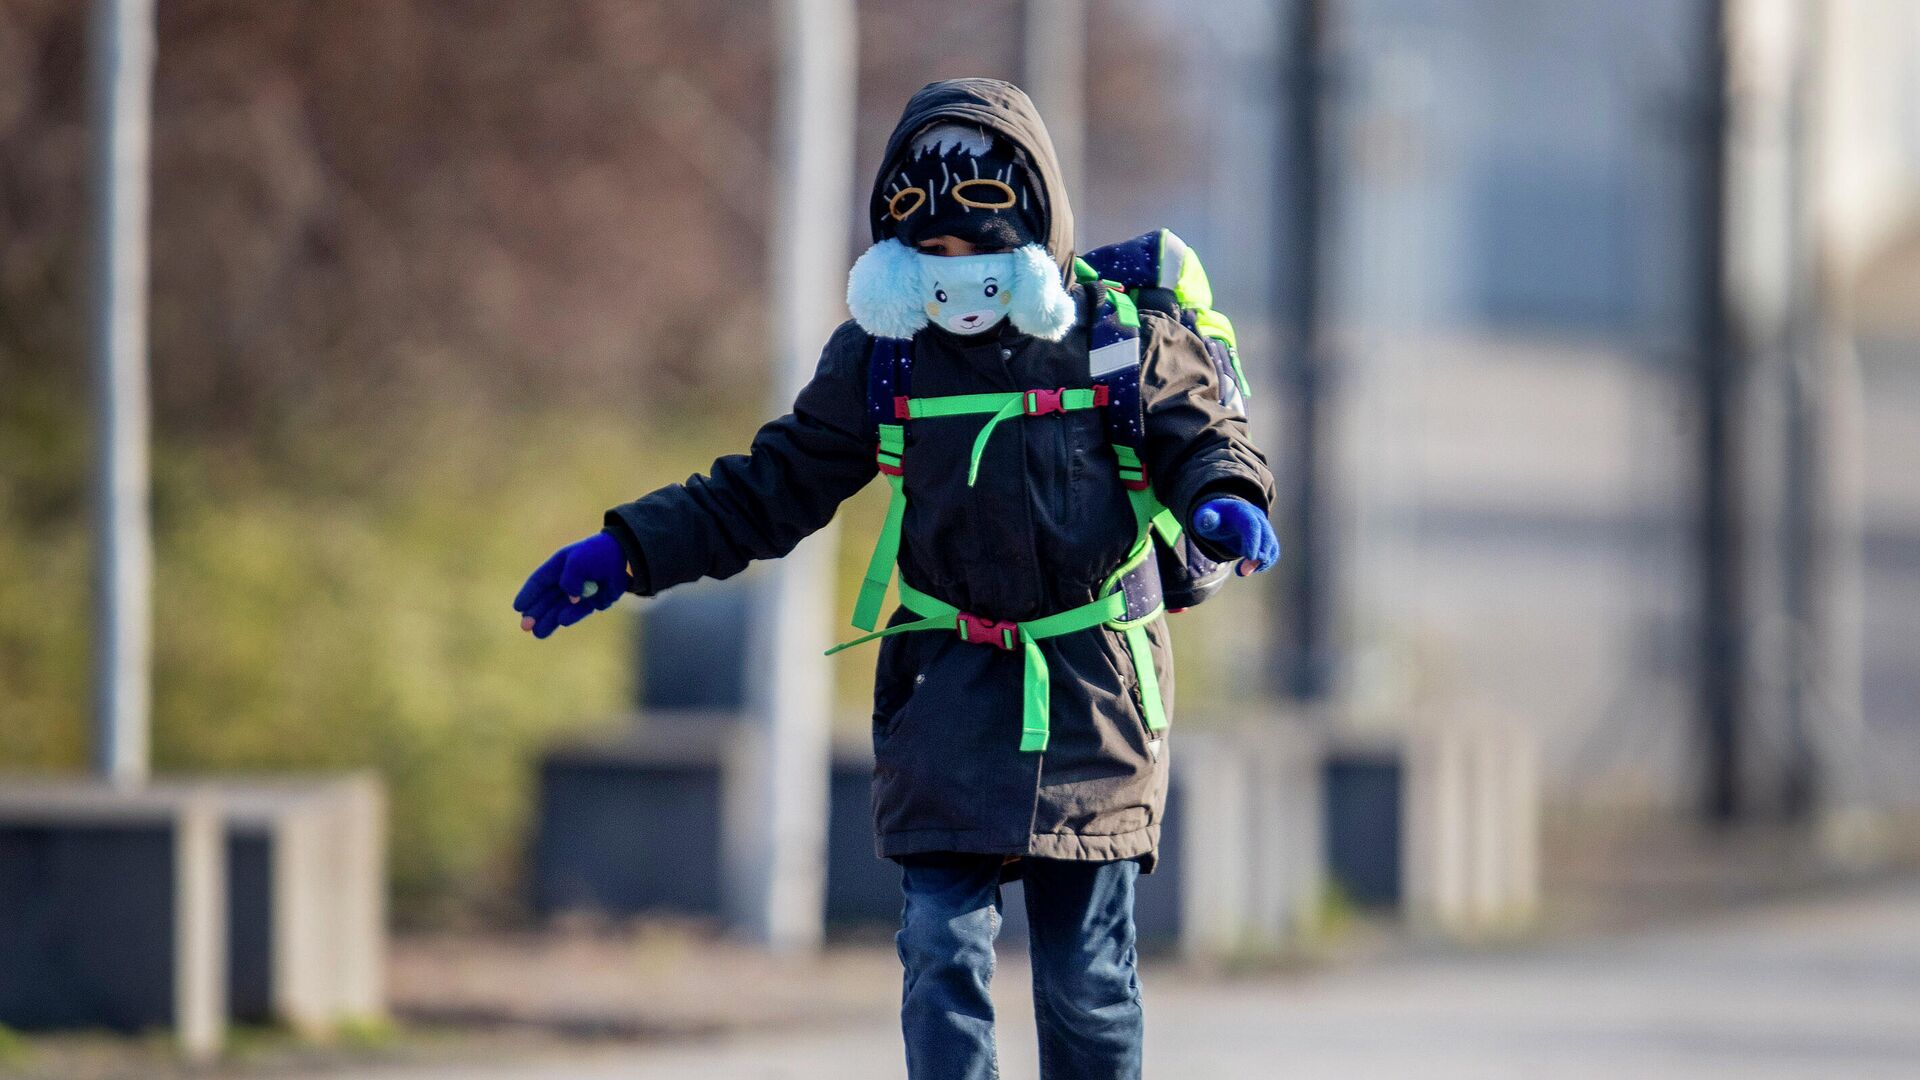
997,407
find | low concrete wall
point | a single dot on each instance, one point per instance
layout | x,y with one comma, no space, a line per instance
309,883
634,824
1441,824
115,910
631,824
1472,821
187,902
1251,872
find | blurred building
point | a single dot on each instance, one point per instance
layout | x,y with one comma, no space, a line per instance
1509,274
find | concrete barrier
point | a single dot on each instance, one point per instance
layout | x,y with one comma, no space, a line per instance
185,903
1472,822
308,900
1440,824
632,823
635,824
113,911
1247,854
692,647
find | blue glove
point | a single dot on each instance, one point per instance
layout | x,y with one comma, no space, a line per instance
1241,528
584,577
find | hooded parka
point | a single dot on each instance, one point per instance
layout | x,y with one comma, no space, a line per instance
1045,524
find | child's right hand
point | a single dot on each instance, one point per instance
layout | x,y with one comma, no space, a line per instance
1241,528
584,577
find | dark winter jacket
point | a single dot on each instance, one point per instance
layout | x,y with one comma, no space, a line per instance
1046,524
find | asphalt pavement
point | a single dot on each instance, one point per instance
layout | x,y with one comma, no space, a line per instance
1820,987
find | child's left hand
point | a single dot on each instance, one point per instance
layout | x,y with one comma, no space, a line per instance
1239,526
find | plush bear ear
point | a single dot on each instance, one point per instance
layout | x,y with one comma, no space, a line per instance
1041,305
886,292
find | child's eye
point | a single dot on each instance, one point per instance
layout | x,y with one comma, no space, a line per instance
991,288
940,295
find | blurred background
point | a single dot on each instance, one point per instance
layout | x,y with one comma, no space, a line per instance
1583,337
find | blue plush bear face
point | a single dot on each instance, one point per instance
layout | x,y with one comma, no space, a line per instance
895,292
967,294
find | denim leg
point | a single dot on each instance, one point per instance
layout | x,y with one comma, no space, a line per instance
947,927
1086,995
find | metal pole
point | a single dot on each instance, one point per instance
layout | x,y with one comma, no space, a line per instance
1306,666
1720,700
122,48
1054,61
777,858
1833,696
1805,449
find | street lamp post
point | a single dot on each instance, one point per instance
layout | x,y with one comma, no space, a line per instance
776,863
122,51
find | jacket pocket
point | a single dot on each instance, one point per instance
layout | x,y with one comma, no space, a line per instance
1120,658
896,676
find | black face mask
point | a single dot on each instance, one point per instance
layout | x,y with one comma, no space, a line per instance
960,181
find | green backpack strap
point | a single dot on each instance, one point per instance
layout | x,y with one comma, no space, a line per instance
886,549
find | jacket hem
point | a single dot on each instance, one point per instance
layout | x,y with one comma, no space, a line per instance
1142,844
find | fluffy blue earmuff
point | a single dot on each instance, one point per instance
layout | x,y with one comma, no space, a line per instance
1040,306
894,291
885,292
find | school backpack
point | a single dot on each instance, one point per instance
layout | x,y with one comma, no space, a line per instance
1157,270
1164,570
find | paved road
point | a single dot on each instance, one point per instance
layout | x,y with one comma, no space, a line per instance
1820,988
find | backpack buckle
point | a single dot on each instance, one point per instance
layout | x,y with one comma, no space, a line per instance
1042,402
980,630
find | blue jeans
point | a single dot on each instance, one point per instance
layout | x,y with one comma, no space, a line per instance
1086,996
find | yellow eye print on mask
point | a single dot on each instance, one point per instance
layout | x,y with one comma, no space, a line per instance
982,185
894,209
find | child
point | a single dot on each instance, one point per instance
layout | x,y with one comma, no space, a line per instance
1026,740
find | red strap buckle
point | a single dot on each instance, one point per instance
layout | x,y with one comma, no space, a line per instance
901,409
980,630
1042,402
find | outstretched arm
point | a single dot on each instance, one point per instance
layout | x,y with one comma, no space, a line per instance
755,505
759,504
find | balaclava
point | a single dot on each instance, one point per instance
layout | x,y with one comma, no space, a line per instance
960,180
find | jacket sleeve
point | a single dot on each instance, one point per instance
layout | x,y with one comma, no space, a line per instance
1197,448
758,505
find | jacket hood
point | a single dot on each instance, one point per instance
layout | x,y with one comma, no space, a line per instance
1004,109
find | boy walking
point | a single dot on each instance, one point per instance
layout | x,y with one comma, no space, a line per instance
1045,439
